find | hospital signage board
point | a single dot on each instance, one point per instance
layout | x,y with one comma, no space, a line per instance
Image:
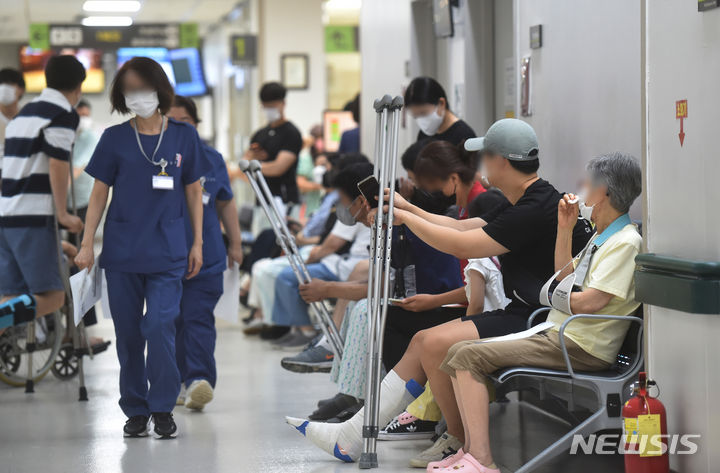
704,5
169,35
243,49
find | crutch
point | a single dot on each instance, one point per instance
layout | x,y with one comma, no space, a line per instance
75,331
386,138
253,170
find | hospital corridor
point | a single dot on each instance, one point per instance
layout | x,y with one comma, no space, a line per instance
314,236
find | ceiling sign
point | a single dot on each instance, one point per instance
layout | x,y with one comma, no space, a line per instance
243,49
39,36
170,35
341,39
704,5
681,112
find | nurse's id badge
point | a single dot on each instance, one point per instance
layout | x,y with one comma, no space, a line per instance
163,182
205,194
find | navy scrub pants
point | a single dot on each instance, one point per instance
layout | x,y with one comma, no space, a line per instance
127,293
195,338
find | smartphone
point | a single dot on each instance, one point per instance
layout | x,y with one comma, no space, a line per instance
394,301
369,188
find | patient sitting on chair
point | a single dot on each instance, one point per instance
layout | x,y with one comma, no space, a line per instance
598,281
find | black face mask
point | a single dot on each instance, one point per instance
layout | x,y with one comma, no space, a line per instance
433,202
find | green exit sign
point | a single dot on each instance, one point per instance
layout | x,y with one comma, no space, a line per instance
341,39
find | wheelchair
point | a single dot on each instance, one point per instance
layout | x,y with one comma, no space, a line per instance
28,352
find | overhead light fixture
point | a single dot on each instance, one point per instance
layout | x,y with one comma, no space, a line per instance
107,21
124,6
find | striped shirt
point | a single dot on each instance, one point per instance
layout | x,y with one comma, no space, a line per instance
44,128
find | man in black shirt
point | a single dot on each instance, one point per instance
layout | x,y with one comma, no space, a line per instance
277,145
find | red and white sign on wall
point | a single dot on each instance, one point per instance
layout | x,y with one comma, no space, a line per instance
681,112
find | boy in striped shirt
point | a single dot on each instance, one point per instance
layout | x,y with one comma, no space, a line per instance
33,191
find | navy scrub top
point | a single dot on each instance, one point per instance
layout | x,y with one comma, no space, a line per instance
217,186
145,227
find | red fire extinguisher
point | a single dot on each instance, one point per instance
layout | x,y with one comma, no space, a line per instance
645,431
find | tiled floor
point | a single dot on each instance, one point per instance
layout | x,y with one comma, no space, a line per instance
242,430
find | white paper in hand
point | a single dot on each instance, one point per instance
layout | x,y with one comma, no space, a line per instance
228,306
86,288
104,300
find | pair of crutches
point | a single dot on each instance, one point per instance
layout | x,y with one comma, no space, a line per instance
286,240
386,143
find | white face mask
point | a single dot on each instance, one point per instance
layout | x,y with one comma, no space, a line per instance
272,114
142,103
430,123
585,210
7,94
318,173
86,123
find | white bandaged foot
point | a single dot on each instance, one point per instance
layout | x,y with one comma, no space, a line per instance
344,441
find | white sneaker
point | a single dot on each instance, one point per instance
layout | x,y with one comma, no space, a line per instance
181,397
198,394
444,446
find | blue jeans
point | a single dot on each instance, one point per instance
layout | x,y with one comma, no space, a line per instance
289,309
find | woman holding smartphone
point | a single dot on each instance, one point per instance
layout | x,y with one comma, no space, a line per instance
154,166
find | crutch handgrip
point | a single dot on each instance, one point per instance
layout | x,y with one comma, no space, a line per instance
255,165
397,103
244,165
384,102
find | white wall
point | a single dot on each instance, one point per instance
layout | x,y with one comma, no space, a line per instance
291,26
503,40
585,82
385,48
682,198
461,63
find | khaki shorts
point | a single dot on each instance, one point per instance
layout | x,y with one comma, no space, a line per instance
538,351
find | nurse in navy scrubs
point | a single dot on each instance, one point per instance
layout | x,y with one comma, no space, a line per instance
154,166
195,338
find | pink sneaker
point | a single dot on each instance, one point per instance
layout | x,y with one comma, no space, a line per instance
445,462
467,464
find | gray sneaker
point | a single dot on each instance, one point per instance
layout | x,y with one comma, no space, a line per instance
317,359
297,342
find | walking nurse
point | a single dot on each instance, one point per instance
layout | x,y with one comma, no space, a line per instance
195,338
154,166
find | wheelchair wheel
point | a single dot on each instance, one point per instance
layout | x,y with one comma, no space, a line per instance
14,357
65,366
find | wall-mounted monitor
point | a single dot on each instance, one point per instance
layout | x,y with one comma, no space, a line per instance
161,55
33,62
188,72
443,18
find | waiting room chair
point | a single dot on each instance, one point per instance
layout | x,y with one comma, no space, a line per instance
609,386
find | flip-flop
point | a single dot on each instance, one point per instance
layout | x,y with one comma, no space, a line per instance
467,464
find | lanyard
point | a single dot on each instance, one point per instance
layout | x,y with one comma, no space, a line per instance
595,243
162,163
